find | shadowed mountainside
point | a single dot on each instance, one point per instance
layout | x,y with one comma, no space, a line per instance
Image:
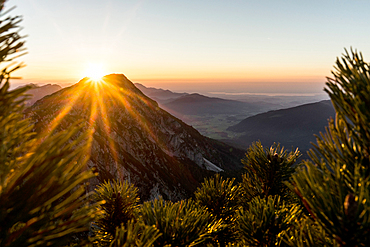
134,139
294,126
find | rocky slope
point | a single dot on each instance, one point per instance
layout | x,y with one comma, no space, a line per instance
134,138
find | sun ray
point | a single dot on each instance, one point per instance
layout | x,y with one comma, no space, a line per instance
107,127
121,94
63,112
93,116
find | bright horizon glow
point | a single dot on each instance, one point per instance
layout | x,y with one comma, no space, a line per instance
292,45
95,71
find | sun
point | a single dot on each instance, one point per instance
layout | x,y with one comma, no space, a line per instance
95,71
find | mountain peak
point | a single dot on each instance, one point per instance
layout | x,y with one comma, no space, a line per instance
118,80
112,87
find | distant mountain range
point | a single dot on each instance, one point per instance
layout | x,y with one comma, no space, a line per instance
38,92
294,126
162,96
134,138
209,115
181,104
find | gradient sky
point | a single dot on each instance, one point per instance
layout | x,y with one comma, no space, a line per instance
234,46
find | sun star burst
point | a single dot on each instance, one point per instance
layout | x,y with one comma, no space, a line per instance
95,71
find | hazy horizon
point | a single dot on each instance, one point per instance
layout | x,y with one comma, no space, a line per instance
221,90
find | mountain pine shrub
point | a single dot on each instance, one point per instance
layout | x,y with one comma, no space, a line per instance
221,198
267,208
42,198
184,223
135,235
119,201
307,232
265,221
334,185
266,170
